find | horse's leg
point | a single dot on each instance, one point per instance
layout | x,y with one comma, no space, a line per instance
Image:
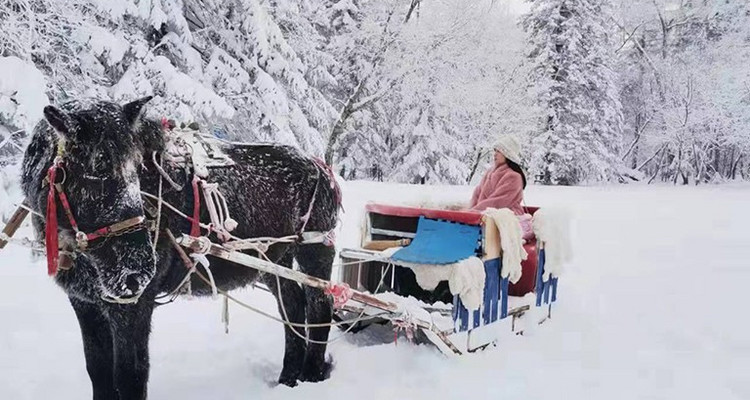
294,304
316,260
131,326
97,348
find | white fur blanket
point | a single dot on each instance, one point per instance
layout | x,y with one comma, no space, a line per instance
510,241
465,278
552,227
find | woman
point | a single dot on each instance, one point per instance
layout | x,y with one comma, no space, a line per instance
502,186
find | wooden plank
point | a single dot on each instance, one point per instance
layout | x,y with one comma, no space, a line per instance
13,224
388,232
385,244
360,254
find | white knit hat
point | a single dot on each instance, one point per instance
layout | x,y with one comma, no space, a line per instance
509,146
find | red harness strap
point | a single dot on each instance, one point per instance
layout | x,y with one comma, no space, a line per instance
66,207
50,234
51,229
195,229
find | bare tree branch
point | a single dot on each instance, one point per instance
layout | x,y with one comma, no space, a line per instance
629,36
638,133
414,4
652,157
650,62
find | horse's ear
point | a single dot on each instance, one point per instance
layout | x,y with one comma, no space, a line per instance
59,120
133,109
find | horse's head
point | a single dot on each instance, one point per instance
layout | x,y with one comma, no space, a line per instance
101,156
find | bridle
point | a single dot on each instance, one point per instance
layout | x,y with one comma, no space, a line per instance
82,238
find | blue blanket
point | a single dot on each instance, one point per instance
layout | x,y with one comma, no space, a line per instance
440,242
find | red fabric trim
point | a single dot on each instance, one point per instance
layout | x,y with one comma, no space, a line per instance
98,233
466,217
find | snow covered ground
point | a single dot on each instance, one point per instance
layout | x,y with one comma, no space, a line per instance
651,309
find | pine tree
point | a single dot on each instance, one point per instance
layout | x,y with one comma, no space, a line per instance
427,151
579,136
225,64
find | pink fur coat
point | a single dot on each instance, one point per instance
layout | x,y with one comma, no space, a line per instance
501,187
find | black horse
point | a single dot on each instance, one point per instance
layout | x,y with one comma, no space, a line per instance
113,281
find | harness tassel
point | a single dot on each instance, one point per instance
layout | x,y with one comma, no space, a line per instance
50,234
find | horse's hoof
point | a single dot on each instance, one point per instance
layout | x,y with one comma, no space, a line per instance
318,374
288,381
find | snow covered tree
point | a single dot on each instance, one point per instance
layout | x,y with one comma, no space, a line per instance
412,91
225,64
579,134
432,102
684,88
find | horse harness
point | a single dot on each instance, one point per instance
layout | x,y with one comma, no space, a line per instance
64,259
187,147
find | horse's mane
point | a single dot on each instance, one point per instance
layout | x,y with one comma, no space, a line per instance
149,136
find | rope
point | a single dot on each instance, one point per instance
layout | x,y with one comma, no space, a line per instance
263,242
208,227
175,293
192,270
225,314
175,210
266,240
356,320
201,259
218,211
164,174
158,222
306,217
279,320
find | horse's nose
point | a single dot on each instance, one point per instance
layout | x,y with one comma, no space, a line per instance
131,282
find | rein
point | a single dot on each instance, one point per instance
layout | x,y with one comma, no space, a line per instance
82,238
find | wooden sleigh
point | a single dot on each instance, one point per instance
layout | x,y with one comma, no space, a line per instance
461,330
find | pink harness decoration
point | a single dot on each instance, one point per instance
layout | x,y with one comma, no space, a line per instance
166,124
341,293
330,238
407,325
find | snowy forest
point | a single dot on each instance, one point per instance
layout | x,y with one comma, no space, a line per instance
412,91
